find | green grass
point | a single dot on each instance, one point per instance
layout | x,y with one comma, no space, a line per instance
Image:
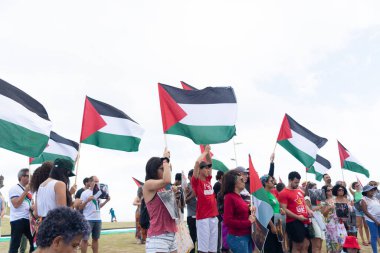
117,243
108,243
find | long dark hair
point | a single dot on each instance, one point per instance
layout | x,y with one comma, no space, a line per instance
229,181
151,168
61,174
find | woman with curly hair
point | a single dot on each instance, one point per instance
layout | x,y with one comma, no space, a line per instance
54,191
61,231
40,175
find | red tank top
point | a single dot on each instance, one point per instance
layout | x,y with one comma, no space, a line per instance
160,220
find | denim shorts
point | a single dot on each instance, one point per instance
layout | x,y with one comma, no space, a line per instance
161,243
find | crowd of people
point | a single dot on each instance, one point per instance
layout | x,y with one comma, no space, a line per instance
44,211
220,218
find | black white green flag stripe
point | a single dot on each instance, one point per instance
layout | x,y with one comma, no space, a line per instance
349,162
205,116
321,166
57,147
108,127
299,141
24,123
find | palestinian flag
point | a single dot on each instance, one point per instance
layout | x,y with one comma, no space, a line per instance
107,127
348,162
186,86
299,141
216,164
320,167
57,147
24,123
264,210
205,116
138,182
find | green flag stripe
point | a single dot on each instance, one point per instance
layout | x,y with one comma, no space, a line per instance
113,141
352,166
48,157
204,134
21,140
301,156
218,165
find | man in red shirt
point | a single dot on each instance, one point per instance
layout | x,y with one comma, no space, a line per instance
206,212
297,214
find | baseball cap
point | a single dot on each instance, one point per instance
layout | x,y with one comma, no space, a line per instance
367,188
65,164
241,169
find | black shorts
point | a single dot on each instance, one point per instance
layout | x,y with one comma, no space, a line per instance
297,231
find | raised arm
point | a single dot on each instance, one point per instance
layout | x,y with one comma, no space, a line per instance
151,186
205,154
271,166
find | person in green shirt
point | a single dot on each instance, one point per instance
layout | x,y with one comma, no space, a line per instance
271,244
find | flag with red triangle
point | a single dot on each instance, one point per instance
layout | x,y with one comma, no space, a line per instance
299,141
108,127
206,116
349,162
264,210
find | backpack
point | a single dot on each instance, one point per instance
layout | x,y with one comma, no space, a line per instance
144,215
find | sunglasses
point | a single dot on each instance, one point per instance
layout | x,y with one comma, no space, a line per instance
328,190
25,175
340,189
206,166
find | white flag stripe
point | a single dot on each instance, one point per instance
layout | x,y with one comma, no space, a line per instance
61,149
210,114
17,114
304,144
320,168
352,158
121,126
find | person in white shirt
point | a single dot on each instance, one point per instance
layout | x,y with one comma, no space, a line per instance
20,199
91,210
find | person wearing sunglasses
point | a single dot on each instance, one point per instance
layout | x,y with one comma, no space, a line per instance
162,229
20,202
371,208
271,244
328,211
207,212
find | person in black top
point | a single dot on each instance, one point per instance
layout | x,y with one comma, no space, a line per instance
86,183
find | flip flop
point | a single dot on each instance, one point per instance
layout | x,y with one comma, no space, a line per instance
365,243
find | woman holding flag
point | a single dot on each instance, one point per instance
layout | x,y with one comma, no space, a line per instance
162,229
236,213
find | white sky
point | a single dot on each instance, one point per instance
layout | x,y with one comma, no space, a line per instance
317,61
